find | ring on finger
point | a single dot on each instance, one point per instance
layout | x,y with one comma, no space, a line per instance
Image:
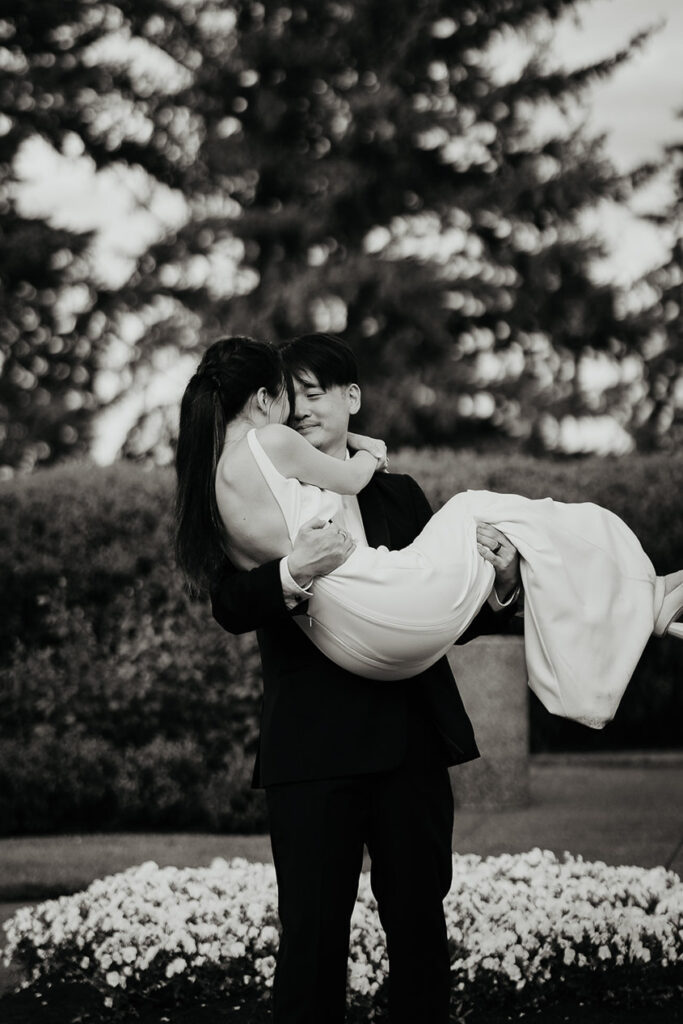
497,548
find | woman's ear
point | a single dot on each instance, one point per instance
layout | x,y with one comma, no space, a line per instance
354,399
263,400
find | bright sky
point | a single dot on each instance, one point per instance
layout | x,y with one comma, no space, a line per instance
636,107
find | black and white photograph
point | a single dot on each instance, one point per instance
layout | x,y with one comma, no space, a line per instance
341,512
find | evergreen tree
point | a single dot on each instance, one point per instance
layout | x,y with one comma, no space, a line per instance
345,166
389,188
658,417
47,356
57,319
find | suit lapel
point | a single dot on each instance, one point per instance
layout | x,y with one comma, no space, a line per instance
374,516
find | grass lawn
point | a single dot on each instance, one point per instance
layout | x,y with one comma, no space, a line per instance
41,867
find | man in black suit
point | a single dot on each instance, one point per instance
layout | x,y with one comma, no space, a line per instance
346,761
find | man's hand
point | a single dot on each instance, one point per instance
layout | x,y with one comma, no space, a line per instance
503,556
319,547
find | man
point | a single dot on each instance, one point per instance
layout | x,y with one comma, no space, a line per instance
347,761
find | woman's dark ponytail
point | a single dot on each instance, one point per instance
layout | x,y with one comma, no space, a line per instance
230,372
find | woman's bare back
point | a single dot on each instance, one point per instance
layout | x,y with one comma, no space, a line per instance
254,524
252,515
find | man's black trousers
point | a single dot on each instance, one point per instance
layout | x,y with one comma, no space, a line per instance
318,829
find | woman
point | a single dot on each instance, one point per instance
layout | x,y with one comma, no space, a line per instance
247,482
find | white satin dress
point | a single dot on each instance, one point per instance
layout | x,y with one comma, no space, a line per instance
591,594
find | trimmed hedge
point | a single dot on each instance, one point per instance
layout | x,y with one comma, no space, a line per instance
122,704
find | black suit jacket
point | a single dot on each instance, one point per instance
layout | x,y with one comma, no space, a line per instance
319,721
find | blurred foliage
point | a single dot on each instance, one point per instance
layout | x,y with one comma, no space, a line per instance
659,413
339,169
122,704
120,700
48,328
57,782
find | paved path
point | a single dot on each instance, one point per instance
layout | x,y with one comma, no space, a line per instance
617,810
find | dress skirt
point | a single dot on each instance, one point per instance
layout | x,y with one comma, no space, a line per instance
590,599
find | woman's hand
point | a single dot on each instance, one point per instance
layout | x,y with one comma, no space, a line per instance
373,445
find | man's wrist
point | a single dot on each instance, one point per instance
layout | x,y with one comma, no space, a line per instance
294,575
503,597
303,582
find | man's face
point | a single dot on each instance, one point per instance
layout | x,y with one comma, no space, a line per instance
322,417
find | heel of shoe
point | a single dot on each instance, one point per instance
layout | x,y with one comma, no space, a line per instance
670,610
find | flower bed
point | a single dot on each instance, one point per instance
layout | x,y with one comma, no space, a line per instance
526,923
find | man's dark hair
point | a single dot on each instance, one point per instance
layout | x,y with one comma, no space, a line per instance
326,356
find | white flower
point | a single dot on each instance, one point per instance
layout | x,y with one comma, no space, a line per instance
269,935
520,917
176,966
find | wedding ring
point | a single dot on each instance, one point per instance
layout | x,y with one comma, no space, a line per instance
497,548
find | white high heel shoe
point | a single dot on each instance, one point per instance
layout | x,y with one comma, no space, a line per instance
671,609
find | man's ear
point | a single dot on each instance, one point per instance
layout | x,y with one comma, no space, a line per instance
354,399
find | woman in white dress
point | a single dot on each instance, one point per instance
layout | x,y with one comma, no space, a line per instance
247,482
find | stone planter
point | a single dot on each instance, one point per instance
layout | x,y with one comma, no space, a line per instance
491,676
